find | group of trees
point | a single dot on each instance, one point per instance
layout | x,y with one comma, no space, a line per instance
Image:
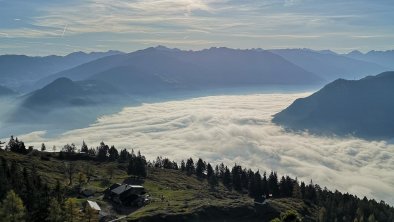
137,164
27,184
16,146
25,197
334,206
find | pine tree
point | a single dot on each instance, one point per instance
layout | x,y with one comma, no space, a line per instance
84,147
58,192
200,168
273,184
43,147
190,166
16,146
55,213
226,177
124,156
90,215
12,208
258,188
236,177
71,210
102,152
137,165
210,172
69,148
113,153
69,171
4,177
183,165
322,215
81,179
296,193
303,189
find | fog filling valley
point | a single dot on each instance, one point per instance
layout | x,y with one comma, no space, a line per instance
238,129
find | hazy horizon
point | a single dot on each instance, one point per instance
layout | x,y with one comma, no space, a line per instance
324,50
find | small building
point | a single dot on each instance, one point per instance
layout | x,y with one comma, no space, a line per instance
125,194
93,206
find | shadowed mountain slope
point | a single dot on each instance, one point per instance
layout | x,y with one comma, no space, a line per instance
362,107
19,72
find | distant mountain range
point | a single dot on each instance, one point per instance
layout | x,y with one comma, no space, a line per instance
214,67
329,65
19,72
383,58
362,108
161,68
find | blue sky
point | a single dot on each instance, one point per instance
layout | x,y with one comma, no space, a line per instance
42,27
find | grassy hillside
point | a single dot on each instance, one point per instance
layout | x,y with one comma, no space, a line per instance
174,196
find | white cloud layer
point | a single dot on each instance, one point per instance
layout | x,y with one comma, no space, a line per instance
238,129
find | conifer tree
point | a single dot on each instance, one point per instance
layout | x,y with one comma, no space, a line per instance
113,153
90,215
183,165
190,166
210,172
102,152
43,147
12,208
69,171
200,168
71,210
84,147
226,177
55,213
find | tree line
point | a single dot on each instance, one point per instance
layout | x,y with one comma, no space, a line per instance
334,206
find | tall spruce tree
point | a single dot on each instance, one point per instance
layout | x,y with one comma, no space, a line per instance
200,168
84,147
12,208
71,210
55,212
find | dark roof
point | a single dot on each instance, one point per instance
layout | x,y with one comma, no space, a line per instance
125,187
115,185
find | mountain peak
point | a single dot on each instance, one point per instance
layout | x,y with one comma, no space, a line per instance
355,53
327,52
165,48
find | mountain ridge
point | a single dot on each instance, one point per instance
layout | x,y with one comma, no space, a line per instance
361,108
214,66
20,72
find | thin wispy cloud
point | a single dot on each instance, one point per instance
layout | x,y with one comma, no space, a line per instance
210,21
64,30
239,129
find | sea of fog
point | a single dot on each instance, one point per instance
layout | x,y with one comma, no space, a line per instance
238,129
